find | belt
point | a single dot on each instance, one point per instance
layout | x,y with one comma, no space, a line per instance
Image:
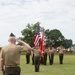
11,65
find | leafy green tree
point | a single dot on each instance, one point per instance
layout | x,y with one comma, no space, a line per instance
67,43
54,37
29,33
47,38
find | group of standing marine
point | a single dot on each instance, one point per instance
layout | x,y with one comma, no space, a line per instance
10,56
47,52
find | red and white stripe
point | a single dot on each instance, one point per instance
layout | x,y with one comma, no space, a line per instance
37,38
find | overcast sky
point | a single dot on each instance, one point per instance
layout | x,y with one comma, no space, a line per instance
52,14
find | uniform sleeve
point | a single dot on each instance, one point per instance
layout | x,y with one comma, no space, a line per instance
22,48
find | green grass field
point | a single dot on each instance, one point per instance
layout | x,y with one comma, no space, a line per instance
68,68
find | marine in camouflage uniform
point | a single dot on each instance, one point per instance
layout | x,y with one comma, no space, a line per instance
51,55
61,53
28,53
37,55
45,56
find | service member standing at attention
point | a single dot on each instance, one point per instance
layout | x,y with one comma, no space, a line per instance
10,55
51,54
45,56
32,56
28,53
61,53
37,56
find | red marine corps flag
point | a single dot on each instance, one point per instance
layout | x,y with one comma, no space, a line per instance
42,42
37,37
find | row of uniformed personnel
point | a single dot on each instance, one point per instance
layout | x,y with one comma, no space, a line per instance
50,52
37,59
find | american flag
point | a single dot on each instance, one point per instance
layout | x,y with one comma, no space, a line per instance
37,37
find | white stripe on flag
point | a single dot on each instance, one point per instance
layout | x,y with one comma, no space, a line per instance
37,39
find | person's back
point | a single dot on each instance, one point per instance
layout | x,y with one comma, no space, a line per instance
10,55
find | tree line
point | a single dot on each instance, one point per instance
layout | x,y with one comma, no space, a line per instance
52,37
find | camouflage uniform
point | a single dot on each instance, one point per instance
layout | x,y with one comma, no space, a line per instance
28,57
51,55
37,54
45,56
61,54
32,55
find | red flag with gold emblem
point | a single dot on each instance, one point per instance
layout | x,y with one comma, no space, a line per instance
42,42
